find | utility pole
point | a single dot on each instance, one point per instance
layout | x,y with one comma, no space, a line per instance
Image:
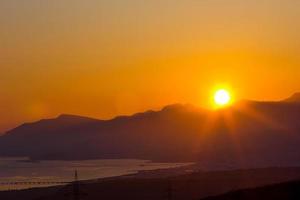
76,187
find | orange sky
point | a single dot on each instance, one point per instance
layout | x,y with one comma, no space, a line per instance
102,58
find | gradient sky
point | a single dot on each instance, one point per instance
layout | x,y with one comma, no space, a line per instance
102,58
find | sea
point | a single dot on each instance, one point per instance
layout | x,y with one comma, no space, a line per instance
21,173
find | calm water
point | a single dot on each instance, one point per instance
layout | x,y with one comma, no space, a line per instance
17,170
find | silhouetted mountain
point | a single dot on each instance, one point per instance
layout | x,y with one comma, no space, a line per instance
294,98
144,135
248,134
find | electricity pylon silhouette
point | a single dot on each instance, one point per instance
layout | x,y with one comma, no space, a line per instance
76,192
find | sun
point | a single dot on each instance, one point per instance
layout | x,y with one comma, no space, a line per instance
222,97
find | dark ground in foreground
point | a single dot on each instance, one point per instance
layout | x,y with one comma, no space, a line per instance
158,184
282,191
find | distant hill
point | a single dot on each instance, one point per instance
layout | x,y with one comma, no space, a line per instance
248,134
294,98
149,135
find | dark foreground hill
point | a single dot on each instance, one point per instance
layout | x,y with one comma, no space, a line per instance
248,134
283,191
149,186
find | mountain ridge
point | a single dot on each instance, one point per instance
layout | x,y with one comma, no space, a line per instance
294,98
265,133
65,116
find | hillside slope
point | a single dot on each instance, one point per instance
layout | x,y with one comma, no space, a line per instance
249,134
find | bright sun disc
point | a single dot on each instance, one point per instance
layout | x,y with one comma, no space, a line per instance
222,97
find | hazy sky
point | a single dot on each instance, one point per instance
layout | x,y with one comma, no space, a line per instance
102,58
